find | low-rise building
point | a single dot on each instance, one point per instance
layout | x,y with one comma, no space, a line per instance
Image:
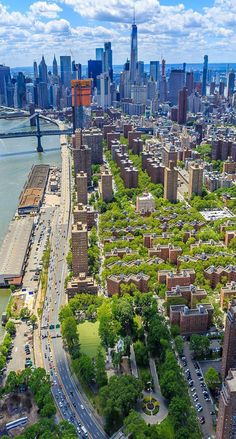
114,282
81,284
227,293
167,252
191,294
145,203
171,279
215,274
191,321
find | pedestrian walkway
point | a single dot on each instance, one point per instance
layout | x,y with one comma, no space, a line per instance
163,410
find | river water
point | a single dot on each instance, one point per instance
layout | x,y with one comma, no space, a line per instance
16,159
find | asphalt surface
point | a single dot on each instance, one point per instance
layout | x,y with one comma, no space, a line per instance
70,401
208,407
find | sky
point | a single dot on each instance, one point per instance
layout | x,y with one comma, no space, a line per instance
178,31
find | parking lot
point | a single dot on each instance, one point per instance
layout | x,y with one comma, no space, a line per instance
200,395
18,353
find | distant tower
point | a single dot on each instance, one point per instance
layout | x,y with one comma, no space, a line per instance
54,67
163,67
182,106
43,71
230,83
134,52
66,74
204,76
189,82
36,75
107,60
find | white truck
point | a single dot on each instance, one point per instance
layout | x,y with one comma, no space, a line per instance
84,431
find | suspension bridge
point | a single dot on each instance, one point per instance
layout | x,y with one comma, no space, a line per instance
34,120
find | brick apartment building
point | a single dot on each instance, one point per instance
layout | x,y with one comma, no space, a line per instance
171,279
226,293
171,182
167,252
82,187
222,148
81,284
120,253
85,215
105,186
79,249
82,161
229,235
93,138
191,294
114,282
191,321
169,153
226,422
229,346
215,274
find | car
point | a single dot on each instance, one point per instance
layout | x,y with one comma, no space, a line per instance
202,420
82,407
200,409
193,389
212,413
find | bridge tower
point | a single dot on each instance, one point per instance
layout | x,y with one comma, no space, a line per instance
39,135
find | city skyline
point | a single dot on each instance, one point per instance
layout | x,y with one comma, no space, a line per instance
177,31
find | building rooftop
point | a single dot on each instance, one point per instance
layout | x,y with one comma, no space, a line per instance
14,247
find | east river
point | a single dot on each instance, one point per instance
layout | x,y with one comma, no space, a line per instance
16,159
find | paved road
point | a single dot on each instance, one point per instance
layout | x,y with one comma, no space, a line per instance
207,428
70,401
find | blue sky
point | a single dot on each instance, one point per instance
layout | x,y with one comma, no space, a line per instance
178,30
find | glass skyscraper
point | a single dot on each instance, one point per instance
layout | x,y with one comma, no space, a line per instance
204,76
65,63
134,53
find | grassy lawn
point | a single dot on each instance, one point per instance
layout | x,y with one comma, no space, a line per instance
89,338
165,429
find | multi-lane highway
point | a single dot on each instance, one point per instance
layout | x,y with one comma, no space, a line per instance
70,401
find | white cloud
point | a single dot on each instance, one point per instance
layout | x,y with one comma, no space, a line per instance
44,9
177,32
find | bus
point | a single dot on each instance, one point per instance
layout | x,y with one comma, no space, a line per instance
16,423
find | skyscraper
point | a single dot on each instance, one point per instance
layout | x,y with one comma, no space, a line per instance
176,83
94,69
65,63
54,66
226,423
229,346
43,71
154,70
79,237
230,83
99,54
5,81
133,53
107,64
189,82
35,67
103,90
81,98
182,106
204,75
76,70
21,90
